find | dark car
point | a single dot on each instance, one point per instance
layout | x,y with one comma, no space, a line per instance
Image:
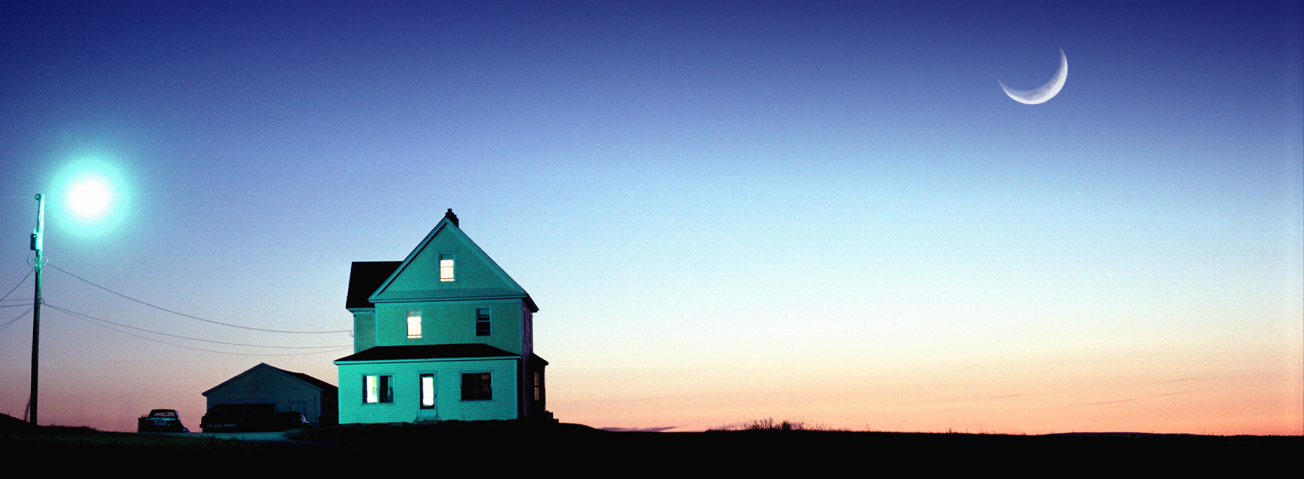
225,418
290,420
161,420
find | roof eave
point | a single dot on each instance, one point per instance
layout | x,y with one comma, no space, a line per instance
524,297
341,361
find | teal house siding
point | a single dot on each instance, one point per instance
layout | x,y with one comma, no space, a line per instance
405,405
449,322
444,334
364,330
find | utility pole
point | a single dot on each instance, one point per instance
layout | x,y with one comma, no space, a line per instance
36,303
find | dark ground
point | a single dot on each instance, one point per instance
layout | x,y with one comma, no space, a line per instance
494,448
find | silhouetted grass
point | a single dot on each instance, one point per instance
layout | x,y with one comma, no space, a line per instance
510,447
769,424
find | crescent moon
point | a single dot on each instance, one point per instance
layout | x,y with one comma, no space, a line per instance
1047,91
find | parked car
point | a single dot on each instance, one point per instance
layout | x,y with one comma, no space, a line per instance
224,417
161,420
290,420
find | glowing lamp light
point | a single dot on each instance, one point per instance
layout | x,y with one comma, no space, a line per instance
94,195
89,198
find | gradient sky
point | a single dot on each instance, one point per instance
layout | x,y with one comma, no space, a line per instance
823,212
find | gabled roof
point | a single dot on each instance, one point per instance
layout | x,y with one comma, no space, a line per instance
323,386
364,278
427,351
423,285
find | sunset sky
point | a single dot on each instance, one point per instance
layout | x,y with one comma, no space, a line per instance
726,211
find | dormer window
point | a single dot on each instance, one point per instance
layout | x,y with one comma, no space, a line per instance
445,267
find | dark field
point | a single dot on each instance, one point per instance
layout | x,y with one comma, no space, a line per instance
495,448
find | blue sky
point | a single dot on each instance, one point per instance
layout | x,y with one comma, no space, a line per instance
720,208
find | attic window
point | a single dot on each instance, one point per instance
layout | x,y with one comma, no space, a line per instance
445,267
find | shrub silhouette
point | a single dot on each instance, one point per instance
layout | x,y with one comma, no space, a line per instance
769,424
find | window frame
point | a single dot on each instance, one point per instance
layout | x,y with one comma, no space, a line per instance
414,328
538,385
448,270
422,389
477,386
384,389
483,321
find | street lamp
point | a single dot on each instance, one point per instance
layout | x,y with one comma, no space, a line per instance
37,237
89,196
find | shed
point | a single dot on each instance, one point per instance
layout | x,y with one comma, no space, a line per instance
265,390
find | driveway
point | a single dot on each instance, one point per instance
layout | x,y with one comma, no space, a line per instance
274,436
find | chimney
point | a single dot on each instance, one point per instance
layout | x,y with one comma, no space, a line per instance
451,217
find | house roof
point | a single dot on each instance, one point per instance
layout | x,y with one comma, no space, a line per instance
323,386
427,351
536,358
503,287
364,278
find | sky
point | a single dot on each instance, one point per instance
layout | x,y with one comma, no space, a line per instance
827,212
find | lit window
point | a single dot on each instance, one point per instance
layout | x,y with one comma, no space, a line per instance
477,387
377,389
427,391
481,321
538,386
446,267
414,324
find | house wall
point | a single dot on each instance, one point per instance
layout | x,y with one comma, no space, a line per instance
448,400
473,274
265,386
527,348
452,322
527,330
364,330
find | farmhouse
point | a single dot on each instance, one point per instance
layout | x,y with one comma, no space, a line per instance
444,334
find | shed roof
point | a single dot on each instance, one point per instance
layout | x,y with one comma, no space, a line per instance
326,388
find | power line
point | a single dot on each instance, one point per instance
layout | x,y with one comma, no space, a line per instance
84,280
12,321
20,283
14,303
87,316
206,350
